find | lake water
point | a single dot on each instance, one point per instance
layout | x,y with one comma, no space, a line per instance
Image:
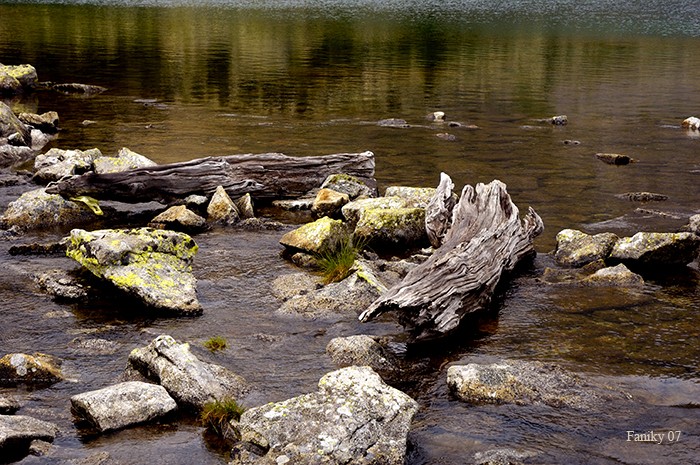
192,79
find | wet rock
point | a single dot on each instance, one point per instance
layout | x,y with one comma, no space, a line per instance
39,448
643,197
24,74
393,228
10,124
614,158
34,369
353,210
320,236
416,197
197,203
152,265
123,405
179,218
502,456
294,205
35,248
40,139
446,136
76,88
17,433
646,249
522,383
619,276
692,123
46,122
559,120
125,160
94,346
191,382
244,205
57,163
221,209
571,142
363,350
350,185
353,418
393,123
293,284
9,85
62,284
329,202
8,405
575,248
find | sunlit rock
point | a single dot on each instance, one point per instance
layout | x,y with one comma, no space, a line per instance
10,124
190,381
36,209
58,163
692,123
152,265
614,158
329,202
618,276
321,236
575,248
221,209
179,218
350,185
354,417
8,405
363,350
46,122
353,210
29,369
657,249
417,197
244,205
123,405
125,160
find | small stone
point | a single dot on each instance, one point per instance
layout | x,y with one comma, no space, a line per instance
692,123
179,218
559,120
614,158
221,209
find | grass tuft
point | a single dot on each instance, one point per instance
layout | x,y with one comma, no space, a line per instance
215,343
216,415
336,265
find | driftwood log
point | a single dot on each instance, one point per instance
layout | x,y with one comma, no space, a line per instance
265,176
486,239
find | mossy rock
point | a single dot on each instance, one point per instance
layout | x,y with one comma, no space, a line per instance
648,249
576,248
392,228
321,236
38,210
353,210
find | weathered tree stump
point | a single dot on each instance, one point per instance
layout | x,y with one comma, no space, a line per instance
486,239
265,176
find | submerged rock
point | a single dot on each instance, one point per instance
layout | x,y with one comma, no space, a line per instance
643,197
393,123
619,276
614,158
575,248
122,405
321,236
362,350
29,369
77,88
354,417
191,382
153,265
657,249
62,285
17,433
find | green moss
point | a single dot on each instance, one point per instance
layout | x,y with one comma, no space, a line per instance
215,343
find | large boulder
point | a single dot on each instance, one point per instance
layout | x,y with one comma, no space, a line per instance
191,382
576,248
354,417
353,210
152,265
523,383
122,405
647,249
38,210
395,228
29,369
17,432
125,160
318,237
58,163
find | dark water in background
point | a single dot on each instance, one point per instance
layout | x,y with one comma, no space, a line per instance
187,80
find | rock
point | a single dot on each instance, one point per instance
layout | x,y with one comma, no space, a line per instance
39,448
694,224
221,209
46,122
61,284
94,346
648,249
244,205
29,369
294,205
24,74
353,418
614,158
17,433
291,285
619,276
9,154
191,382
353,210
416,197
571,142
153,265
8,84
346,184
197,203
39,139
57,163
438,116
362,350
125,160
559,120
392,228
8,405
10,124
75,88
393,123
575,248
522,383
502,456
122,405
321,236
179,218
446,136
643,197
692,123
328,202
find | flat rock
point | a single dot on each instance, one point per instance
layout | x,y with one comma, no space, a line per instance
17,433
62,284
354,417
416,197
152,265
619,276
8,405
191,382
353,210
122,405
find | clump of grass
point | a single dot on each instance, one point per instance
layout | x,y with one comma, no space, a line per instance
215,343
335,265
216,415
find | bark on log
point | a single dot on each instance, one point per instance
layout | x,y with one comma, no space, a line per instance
487,238
265,176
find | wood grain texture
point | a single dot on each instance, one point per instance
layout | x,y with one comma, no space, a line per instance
486,239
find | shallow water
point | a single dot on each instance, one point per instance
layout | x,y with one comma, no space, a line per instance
188,80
